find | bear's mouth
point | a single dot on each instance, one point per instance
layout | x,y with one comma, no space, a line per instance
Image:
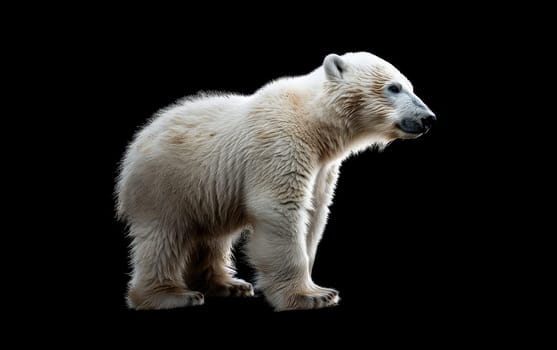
410,131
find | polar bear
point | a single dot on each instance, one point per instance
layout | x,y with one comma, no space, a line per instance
203,170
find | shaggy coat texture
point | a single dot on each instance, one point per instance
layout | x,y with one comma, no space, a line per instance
203,170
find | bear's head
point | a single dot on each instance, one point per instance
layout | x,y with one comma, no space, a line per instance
374,98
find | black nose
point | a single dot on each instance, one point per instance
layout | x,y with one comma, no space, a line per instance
428,120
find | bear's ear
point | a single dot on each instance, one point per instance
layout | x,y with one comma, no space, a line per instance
334,66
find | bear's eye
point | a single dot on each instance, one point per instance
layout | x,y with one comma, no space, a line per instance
395,88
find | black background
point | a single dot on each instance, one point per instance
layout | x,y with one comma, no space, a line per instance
404,239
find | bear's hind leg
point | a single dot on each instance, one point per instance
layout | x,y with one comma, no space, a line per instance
162,296
158,260
212,269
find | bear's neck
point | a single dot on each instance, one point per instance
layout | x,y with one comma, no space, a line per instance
325,129
332,136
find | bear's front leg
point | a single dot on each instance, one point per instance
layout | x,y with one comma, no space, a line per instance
278,250
323,191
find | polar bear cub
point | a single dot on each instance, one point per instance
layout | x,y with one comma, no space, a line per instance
207,168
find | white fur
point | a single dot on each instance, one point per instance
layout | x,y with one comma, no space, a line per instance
209,166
